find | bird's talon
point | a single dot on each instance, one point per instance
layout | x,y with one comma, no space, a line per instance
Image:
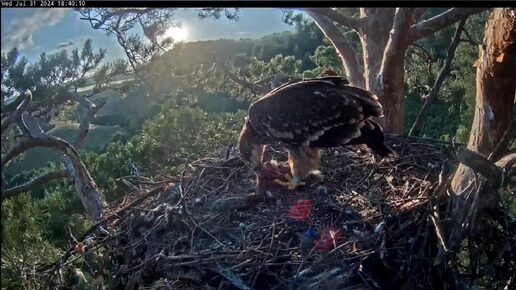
281,182
291,183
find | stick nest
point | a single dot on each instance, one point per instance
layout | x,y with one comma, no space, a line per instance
368,223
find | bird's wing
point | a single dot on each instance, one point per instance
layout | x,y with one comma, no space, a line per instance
300,113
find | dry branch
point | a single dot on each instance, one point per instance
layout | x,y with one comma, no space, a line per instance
390,227
492,172
31,142
438,22
351,22
92,199
15,109
252,86
445,71
91,111
34,183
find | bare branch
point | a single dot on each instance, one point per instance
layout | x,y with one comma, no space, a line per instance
36,182
98,224
30,126
25,144
96,23
92,199
14,112
13,105
247,84
350,22
507,162
494,173
438,22
445,71
265,79
84,127
429,65
343,47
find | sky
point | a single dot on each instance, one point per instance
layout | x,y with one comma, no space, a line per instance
38,30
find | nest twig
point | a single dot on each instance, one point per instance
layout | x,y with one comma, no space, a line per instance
390,221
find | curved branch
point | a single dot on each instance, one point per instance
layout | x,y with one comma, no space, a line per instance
495,173
445,71
438,22
350,22
15,109
247,84
31,142
343,47
91,197
38,181
84,127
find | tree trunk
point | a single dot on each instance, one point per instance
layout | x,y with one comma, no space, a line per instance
374,35
496,84
347,54
384,65
384,58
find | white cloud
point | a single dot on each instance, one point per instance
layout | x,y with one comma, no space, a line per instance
19,32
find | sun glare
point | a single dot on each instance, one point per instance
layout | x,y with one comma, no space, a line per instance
176,33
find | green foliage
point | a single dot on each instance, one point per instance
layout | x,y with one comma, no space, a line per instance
111,120
452,113
181,134
107,167
259,69
22,242
324,57
34,232
177,135
61,214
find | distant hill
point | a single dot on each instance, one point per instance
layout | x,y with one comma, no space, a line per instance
191,55
301,44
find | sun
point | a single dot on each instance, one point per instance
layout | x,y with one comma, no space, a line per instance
176,33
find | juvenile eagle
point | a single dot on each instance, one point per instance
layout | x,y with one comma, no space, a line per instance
308,115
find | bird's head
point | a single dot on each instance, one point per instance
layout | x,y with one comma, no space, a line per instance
250,149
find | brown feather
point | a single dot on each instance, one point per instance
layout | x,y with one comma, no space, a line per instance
301,113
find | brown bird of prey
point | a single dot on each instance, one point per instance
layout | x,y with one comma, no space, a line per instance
308,115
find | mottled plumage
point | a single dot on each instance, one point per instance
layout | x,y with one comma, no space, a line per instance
311,114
